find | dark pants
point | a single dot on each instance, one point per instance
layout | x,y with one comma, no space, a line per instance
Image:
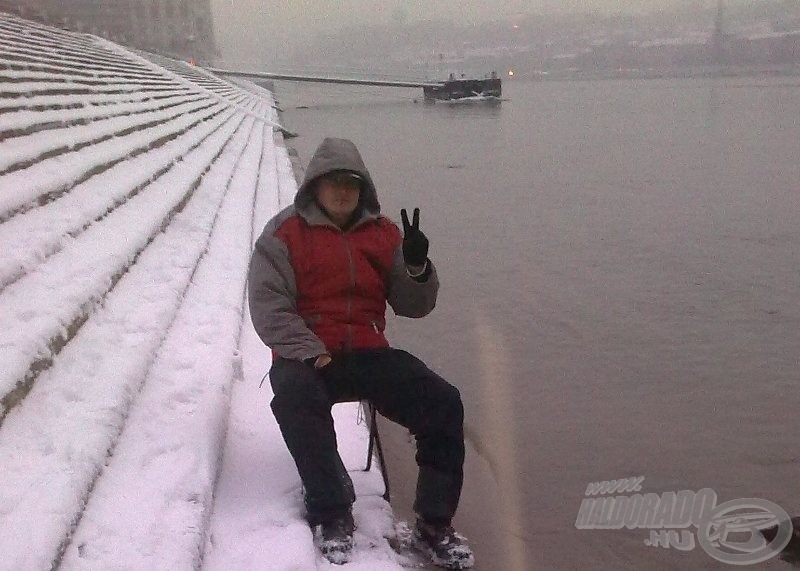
403,390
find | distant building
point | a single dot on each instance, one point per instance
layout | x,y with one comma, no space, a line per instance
179,28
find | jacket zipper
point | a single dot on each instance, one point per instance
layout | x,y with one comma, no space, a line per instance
349,341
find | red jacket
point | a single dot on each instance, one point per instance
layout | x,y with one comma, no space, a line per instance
314,288
342,279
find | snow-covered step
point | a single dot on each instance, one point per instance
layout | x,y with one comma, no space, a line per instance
151,507
53,446
47,37
43,103
21,52
189,74
29,148
287,188
199,77
47,178
74,75
34,235
74,281
29,121
30,88
72,44
21,56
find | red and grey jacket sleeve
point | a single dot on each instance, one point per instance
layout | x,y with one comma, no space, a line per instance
272,295
409,297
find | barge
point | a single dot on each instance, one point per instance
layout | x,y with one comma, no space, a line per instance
465,90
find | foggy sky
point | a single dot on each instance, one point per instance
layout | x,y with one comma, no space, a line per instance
246,29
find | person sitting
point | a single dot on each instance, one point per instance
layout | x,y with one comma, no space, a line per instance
321,276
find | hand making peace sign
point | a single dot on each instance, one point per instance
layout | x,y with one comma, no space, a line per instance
415,243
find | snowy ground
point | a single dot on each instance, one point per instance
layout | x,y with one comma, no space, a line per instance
133,433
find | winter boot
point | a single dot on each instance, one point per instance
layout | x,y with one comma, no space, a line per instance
335,538
445,547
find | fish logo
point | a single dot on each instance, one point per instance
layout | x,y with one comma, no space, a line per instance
732,532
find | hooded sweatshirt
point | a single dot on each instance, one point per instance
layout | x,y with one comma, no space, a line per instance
314,288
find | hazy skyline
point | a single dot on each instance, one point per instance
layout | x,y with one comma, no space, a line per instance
248,29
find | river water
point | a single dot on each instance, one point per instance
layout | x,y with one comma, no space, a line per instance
620,267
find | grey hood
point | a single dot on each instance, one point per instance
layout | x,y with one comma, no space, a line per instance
337,155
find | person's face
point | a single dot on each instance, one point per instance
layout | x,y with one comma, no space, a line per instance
338,195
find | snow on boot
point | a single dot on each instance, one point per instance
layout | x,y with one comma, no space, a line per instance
445,547
335,538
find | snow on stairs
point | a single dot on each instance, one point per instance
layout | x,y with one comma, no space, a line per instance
126,200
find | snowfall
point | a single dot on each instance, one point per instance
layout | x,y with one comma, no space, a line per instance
135,432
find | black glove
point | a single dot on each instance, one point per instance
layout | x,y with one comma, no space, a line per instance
415,243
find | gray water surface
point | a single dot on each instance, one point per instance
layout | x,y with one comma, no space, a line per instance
620,267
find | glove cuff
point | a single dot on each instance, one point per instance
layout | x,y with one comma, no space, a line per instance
414,271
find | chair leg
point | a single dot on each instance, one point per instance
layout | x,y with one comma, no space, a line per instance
372,431
375,442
